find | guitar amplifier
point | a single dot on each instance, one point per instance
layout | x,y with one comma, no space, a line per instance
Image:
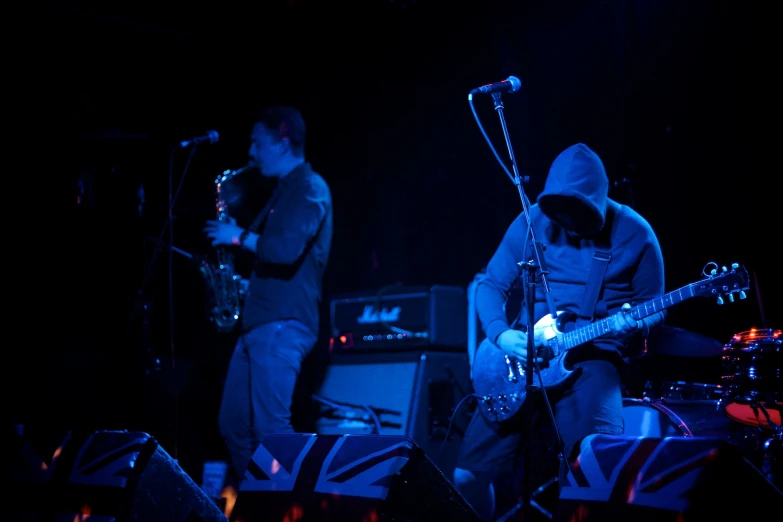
398,318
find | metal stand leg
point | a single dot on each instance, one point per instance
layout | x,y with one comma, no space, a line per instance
510,513
773,451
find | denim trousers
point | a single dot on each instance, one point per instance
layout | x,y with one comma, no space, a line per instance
259,386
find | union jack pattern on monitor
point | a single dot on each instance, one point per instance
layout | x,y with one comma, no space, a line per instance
109,459
351,465
650,472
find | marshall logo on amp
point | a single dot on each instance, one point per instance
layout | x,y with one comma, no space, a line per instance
400,317
370,315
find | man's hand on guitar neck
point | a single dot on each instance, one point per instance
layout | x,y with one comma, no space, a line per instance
623,324
514,344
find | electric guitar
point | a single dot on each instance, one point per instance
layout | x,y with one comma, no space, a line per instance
499,380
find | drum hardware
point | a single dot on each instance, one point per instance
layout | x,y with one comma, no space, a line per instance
746,408
753,363
773,458
673,391
772,447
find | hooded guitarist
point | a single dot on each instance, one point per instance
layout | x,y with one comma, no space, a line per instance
601,258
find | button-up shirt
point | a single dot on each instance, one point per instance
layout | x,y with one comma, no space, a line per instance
291,253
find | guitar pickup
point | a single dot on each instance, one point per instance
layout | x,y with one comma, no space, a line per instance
549,351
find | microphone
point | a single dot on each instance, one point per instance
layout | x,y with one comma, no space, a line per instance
211,137
510,84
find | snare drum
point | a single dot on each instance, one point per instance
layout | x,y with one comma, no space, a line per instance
753,361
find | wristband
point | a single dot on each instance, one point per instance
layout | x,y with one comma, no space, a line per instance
243,237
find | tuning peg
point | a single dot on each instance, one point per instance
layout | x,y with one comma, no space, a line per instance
720,300
742,294
731,297
724,269
713,272
735,266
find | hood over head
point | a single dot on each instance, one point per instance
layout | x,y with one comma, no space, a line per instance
576,191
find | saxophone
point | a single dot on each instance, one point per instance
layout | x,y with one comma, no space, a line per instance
225,288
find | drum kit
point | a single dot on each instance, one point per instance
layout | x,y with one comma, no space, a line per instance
742,405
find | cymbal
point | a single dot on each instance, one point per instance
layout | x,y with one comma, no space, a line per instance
676,342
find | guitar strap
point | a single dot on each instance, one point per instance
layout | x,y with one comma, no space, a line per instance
601,259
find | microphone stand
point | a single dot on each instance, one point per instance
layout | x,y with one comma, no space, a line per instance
536,270
152,366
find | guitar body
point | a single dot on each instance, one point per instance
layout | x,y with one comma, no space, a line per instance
500,381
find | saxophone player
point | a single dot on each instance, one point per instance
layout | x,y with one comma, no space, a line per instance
291,240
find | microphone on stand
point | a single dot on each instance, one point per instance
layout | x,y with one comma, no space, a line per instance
510,84
211,137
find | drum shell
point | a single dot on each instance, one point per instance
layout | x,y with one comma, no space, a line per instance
753,366
675,418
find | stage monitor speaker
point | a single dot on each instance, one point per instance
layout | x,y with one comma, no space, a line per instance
411,394
345,478
106,476
682,479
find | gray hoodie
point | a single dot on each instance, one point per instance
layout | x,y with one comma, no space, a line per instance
574,216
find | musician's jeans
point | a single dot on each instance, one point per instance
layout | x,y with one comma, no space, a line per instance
259,387
592,405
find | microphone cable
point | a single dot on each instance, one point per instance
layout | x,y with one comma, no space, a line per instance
523,179
451,424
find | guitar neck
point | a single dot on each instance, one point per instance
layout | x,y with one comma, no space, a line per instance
602,327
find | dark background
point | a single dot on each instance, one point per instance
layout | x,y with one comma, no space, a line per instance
671,94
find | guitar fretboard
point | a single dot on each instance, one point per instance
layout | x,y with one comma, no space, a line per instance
602,327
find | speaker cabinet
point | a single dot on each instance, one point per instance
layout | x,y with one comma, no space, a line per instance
345,478
107,476
413,394
675,479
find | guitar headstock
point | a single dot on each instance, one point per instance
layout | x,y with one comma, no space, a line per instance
724,282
